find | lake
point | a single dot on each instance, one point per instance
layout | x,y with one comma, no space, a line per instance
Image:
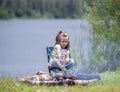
23,43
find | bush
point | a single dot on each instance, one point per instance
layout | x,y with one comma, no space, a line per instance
3,13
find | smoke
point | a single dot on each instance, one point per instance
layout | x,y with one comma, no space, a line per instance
93,53
83,48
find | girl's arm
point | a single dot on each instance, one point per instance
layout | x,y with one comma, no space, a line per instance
58,54
67,59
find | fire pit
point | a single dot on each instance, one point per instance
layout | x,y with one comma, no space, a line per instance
59,79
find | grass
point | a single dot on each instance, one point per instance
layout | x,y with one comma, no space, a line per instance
110,82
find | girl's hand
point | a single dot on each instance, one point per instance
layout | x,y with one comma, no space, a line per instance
59,58
67,60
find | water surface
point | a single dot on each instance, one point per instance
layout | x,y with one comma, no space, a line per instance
23,43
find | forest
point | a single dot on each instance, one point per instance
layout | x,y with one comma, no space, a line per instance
40,9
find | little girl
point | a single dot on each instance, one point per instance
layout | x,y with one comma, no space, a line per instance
61,55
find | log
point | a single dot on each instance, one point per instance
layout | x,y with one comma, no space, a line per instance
68,82
46,79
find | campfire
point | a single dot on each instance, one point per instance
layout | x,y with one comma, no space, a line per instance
50,79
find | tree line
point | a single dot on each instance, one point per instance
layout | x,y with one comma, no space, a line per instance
40,8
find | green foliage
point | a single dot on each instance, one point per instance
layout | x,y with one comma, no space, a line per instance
3,13
19,13
104,16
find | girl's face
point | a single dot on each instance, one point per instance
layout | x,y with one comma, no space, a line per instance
64,42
